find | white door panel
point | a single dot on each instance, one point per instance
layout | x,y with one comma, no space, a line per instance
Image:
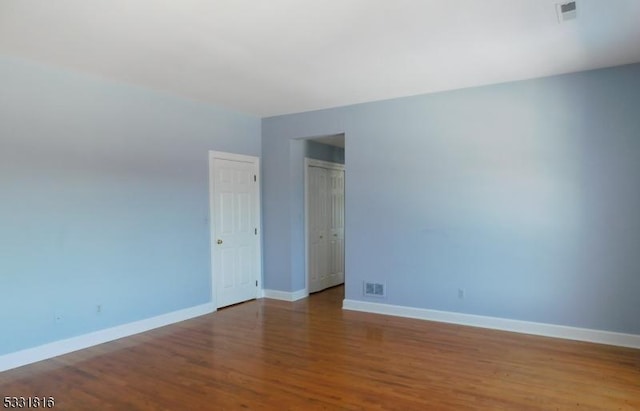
325,226
235,217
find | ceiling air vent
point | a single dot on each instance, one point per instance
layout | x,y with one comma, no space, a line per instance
566,11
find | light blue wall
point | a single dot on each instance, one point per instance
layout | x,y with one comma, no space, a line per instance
524,194
324,152
103,200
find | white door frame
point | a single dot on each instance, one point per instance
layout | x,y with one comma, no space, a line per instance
212,230
310,162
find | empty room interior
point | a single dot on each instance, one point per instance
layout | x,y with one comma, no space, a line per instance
356,204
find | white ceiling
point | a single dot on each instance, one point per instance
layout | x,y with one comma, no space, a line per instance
282,56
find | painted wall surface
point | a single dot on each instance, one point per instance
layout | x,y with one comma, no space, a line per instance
523,194
103,201
324,152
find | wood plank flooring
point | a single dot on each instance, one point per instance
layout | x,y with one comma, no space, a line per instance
308,355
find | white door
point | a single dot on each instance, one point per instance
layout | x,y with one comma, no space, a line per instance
335,222
318,230
234,233
325,225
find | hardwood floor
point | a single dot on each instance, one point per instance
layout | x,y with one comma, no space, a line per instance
311,354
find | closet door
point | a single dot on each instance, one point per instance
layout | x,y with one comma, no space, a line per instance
335,226
318,208
325,226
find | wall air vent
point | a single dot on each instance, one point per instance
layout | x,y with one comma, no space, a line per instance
566,11
374,289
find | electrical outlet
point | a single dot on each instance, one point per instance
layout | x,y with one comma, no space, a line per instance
461,293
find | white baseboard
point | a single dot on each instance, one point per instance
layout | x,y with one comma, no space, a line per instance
285,295
56,348
524,327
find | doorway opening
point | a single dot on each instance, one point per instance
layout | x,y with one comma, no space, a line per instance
324,224
324,211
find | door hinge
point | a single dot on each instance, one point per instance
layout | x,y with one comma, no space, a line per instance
255,178
255,230
256,283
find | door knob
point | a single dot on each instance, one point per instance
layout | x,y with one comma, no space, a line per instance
219,241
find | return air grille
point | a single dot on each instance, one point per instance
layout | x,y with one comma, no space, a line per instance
374,289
